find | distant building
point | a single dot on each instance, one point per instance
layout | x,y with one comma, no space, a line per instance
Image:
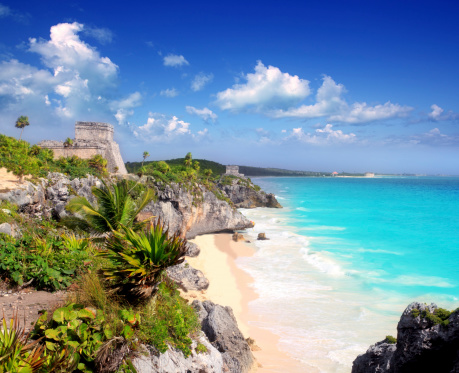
369,174
91,138
233,170
334,173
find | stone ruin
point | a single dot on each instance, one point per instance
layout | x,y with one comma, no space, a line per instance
233,170
91,138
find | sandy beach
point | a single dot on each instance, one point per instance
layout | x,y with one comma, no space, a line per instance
230,286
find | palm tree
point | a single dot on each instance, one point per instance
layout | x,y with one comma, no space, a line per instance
188,159
145,156
138,260
22,122
115,208
68,142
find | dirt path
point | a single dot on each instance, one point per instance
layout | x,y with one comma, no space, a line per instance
28,303
8,181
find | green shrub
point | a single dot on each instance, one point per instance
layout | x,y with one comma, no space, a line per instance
390,339
173,321
201,349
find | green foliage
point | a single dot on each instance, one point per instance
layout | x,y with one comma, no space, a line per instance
46,261
18,354
172,322
78,327
201,349
68,142
22,159
390,339
439,316
162,167
22,122
138,259
115,208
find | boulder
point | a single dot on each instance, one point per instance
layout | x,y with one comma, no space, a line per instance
262,236
6,229
193,250
220,327
188,277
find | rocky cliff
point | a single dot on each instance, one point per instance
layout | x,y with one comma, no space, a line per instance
427,341
184,211
244,194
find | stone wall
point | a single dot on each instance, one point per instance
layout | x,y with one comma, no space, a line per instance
91,138
233,170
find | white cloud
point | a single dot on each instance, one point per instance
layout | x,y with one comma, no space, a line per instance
77,83
331,104
205,113
102,35
328,101
169,92
322,136
200,81
159,127
360,112
175,60
123,108
439,114
434,137
266,87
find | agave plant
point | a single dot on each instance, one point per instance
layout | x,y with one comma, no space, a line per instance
115,208
138,259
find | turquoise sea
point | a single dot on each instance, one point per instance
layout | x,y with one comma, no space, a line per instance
346,256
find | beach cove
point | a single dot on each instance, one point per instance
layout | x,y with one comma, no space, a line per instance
325,296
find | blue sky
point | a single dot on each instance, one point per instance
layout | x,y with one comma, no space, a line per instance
332,85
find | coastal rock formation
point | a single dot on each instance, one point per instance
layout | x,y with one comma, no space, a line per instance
179,209
173,360
188,277
220,327
243,194
423,345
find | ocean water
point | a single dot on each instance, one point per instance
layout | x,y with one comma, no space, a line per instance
345,258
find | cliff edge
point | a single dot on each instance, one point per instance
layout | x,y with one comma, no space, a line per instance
427,341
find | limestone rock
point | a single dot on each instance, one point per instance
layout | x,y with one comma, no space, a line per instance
262,236
193,250
220,327
6,229
173,361
244,195
238,237
421,346
188,277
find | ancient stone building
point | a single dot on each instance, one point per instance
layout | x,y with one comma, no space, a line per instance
91,138
233,170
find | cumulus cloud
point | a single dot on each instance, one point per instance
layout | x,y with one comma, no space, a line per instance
76,82
200,81
322,136
172,92
206,114
331,104
438,114
265,88
175,60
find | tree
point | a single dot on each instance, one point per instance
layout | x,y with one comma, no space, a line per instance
188,160
196,166
22,122
68,142
145,156
115,208
208,173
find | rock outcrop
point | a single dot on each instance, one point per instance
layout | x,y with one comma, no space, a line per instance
184,212
173,360
220,327
244,195
423,345
188,277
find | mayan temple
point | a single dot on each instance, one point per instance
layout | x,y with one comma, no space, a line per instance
91,138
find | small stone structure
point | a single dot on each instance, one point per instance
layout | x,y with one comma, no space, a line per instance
91,138
233,170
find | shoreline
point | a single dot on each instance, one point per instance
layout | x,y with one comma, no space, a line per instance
230,286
